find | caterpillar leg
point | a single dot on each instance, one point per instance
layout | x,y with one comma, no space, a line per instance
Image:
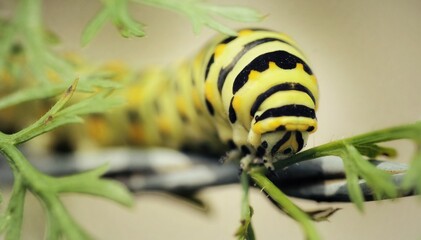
237,155
246,161
269,165
231,156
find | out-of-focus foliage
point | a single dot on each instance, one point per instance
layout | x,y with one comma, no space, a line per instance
31,70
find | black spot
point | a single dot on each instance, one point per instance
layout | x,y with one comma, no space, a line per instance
16,49
193,83
287,151
264,144
133,116
231,112
184,118
211,60
310,129
245,150
156,106
282,59
260,152
209,107
231,144
63,145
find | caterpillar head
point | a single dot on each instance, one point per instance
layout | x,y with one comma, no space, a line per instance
279,138
282,144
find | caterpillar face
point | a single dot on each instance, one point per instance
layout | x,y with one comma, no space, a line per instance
281,144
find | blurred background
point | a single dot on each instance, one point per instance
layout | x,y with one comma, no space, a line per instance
366,57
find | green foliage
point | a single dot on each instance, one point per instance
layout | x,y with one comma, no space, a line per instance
27,58
355,152
117,12
199,13
412,179
203,14
46,188
24,39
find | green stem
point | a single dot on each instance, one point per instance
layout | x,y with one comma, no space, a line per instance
38,127
245,203
60,223
39,184
30,25
29,12
246,229
29,175
410,131
15,209
285,203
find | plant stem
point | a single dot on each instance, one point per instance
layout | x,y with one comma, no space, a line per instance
286,204
410,131
15,209
245,202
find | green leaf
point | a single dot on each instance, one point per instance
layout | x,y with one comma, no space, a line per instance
202,14
220,27
91,183
379,181
245,231
31,94
118,13
412,180
236,13
352,179
352,182
374,150
12,221
98,103
51,37
48,118
93,27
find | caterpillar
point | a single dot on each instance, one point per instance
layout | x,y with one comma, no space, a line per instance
251,96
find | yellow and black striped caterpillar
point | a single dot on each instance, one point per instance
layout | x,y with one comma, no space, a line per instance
252,93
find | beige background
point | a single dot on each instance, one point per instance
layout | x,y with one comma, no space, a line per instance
366,55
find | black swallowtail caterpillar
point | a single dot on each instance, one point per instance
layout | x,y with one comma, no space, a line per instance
252,95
